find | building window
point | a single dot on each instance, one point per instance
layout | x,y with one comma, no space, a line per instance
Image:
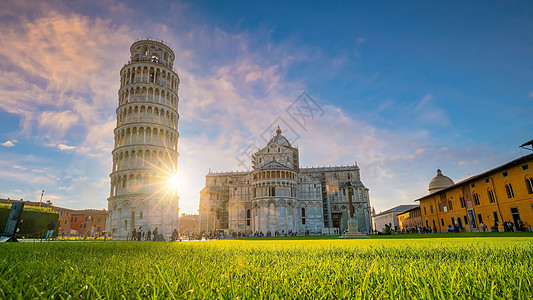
60,213
75,219
480,218
487,180
525,167
66,221
476,199
473,185
491,196
466,220
504,174
462,199
431,208
450,204
67,213
495,215
442,221
434,223
425,212
303,215
529,184
509,189
140,216
440,208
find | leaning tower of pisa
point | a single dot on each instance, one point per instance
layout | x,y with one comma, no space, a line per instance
146,139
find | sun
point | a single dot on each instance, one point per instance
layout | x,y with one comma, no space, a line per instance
173,182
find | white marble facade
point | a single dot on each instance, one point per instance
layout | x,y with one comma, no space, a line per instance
146,140
279,196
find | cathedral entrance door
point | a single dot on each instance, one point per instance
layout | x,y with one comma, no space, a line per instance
336,219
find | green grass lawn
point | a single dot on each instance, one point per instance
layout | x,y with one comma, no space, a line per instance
444,266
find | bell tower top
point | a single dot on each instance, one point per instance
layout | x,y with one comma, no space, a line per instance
153,51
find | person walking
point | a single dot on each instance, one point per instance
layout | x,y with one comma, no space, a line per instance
51,226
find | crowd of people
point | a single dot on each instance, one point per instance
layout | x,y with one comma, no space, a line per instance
138,234
509,226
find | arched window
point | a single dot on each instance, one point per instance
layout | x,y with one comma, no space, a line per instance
491,196
450,204
248,217
509,189
476,199
529,185
303,215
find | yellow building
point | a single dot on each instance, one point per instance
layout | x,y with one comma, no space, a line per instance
410,219
502,194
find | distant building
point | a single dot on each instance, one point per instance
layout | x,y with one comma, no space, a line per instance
504,193
188,223
279,196
389,217
410,218
87,222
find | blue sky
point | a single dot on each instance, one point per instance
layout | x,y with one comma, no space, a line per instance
405,88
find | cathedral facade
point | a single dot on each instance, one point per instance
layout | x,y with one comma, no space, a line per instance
279,197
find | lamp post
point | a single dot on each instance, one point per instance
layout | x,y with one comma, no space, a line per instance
40,201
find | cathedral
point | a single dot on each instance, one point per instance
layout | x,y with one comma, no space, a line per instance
279,197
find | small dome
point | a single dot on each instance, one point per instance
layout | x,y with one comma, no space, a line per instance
279,139
439,182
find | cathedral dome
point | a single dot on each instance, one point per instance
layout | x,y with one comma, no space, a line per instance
279,139
439,182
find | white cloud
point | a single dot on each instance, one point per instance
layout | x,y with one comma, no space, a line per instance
10,143
64,147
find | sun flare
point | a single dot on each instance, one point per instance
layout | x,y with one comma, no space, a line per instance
173,182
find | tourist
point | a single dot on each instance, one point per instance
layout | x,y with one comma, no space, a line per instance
521,226
174,235
149,235
51,226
